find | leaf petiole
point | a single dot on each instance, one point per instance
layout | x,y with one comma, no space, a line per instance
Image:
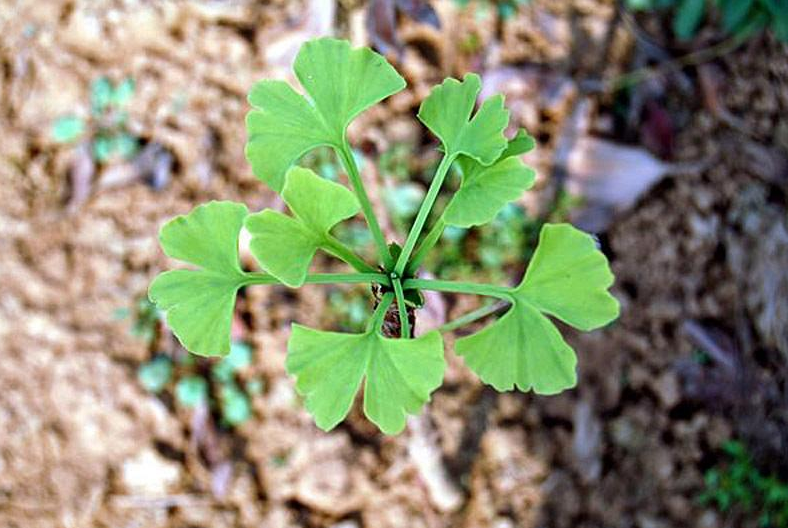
346,157
376,321
344,253
473,316
426,245
402,308
490,290
321,278
424,211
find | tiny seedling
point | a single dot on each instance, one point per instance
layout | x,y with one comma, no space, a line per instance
738,485
218,386
567,278
739,18
106,130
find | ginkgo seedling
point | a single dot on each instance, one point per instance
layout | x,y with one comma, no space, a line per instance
567,279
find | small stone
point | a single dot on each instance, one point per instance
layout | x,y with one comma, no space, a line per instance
667,389
148,474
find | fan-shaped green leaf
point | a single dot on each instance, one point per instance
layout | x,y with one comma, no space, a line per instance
447,113
485,190
567,278
199,303
285,245
400,374
341,83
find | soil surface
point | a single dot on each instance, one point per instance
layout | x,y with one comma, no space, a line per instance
699,249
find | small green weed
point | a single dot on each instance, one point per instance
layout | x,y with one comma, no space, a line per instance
740,486
106,129
221,387
739,18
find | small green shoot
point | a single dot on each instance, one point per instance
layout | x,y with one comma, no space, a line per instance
220,387
567,279
106,130
156,374
740,486
191,391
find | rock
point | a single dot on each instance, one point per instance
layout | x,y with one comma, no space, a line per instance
667,388
148,473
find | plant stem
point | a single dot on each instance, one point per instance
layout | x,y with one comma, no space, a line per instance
322,278
472,316
376,321
490,290
426,245
404,322
696,57
346,156
424,211
344,253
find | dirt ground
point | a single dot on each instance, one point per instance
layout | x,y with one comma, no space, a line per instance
700,253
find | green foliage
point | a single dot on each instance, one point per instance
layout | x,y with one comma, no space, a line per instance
340,82
156,374
217,387
739,18
485,190
106,130
191,391
490,251
447,113
199,303
400,374
689,14
567,278
67,129
739,485
298,237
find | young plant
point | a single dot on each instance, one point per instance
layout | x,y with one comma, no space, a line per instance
567,278
739,18
196,383
106,130
740,486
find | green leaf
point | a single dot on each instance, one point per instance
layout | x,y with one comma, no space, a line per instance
234,405
688,17
779,19
240,356
639,5
486,190
191,391
285,245
155,374
103,147
100,95
521,143
123,92
400,374
567,278
125,145
341,83
734,13
447,113
67,129
199,303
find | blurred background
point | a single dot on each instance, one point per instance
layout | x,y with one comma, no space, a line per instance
662,127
